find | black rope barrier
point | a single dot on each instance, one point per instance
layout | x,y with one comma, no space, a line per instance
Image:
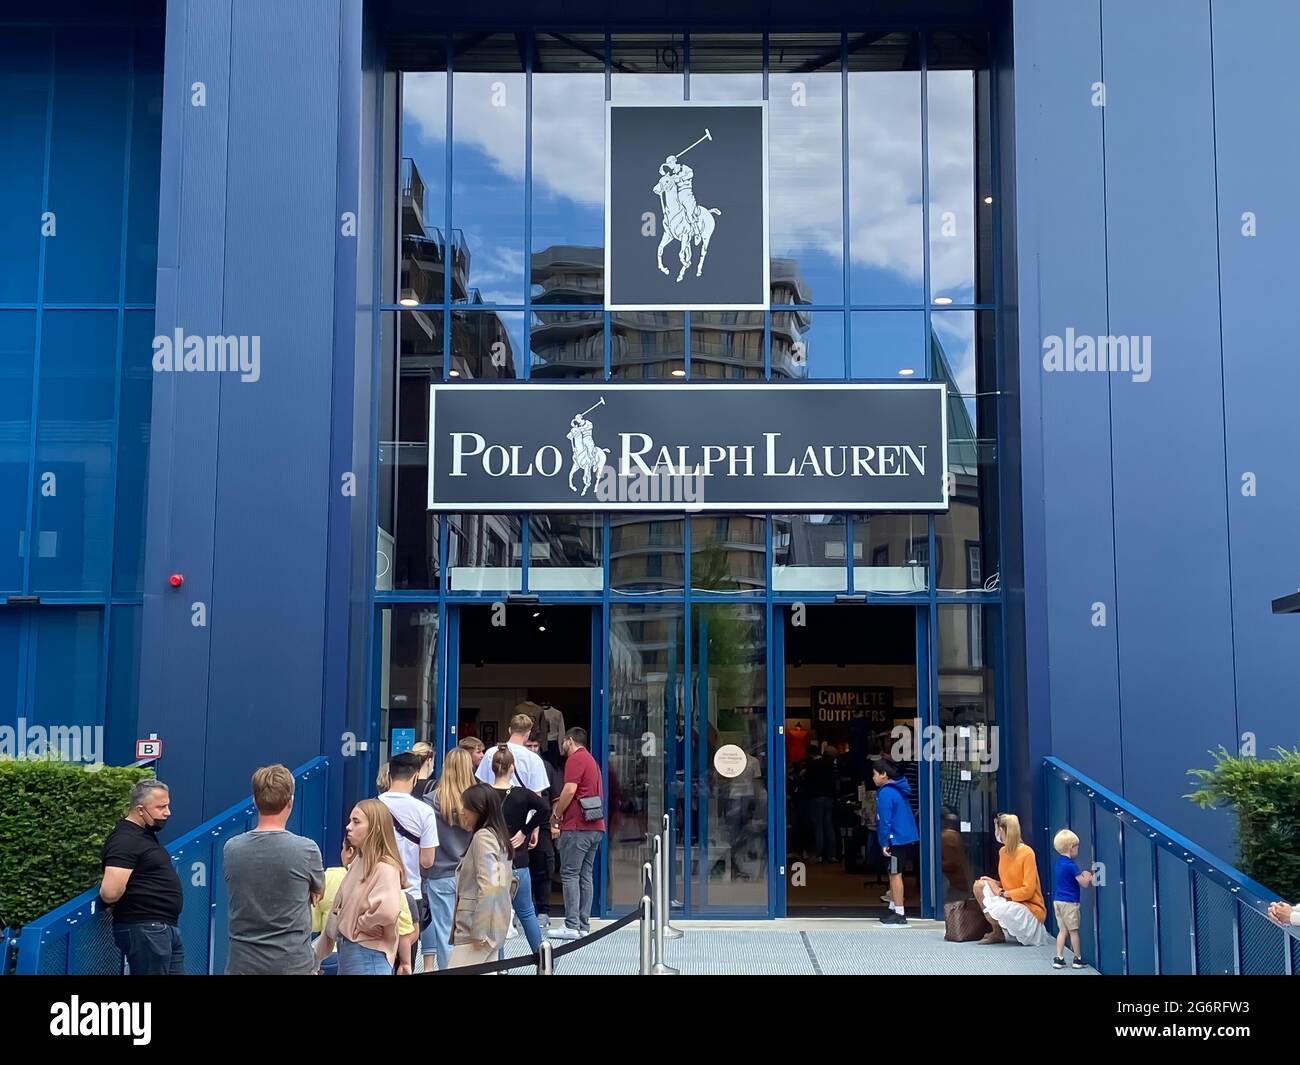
524,960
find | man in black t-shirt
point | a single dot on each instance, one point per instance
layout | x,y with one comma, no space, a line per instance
141,886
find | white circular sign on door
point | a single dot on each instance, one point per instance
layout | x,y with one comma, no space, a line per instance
729,760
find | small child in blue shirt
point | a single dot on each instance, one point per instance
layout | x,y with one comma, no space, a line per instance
1068,880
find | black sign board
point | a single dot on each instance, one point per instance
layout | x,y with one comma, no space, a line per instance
748,447
686,206
829,705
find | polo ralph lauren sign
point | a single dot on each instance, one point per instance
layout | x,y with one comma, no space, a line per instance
686,206
683,446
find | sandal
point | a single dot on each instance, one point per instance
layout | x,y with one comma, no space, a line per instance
995,936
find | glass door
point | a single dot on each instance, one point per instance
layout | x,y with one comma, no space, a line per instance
728,780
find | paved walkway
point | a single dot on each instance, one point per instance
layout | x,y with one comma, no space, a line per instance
808,947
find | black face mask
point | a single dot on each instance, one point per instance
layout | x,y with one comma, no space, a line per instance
158,825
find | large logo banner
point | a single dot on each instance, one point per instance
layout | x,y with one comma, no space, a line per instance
686,207
752,447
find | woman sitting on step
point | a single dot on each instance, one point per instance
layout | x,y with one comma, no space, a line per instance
1013,904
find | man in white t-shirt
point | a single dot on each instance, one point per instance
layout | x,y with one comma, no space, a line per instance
530,770
416,826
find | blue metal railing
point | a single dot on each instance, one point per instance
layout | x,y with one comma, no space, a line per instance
76,939
1166,906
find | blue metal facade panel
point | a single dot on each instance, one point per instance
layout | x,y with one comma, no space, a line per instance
1062,278
273,487
1130,222
1258,157
1167,433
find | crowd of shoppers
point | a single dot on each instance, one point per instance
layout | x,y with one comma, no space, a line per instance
446,863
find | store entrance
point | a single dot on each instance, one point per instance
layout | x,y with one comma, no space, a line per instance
530,658
850,684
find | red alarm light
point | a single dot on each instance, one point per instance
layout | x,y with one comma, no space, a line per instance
175,580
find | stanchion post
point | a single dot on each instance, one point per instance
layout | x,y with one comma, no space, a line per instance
647,941
660,967
665,891
546,960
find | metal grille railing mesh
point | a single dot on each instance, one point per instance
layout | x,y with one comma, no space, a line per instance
1263,944
1215,951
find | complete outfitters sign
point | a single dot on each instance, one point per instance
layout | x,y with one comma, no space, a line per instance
750,447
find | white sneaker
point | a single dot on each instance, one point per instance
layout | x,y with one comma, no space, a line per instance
563,932
543,920
887,898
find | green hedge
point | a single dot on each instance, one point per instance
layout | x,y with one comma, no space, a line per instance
54,817
1265,796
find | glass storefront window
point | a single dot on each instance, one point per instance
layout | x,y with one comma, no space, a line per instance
646,554
729,812
489,127
727,346
728,553
647,345
408,674
566,264
648,67
968,773
407,547
485,552
886,236
487,345
808,553
805,153
568,345
888,345
726,66
423,193
17,362
564,552
890,553
646,732
961,193
807,345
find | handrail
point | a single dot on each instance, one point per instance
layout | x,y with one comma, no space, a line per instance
45,944
1170,905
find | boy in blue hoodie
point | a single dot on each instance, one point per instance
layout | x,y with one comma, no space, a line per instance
896,831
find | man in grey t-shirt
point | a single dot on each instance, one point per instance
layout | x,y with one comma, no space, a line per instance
273,878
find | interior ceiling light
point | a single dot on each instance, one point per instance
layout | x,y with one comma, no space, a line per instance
906,372
943,301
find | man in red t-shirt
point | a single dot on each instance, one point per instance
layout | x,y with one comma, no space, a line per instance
577,832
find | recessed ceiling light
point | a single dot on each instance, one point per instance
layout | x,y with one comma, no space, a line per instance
537,613
453,373
942,301
988,199
679,373
906,372
541,628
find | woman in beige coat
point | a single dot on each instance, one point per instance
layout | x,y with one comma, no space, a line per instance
484,880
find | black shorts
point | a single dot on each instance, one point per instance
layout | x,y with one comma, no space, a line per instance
903,857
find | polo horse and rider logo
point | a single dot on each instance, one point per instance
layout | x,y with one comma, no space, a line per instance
684,220
587,457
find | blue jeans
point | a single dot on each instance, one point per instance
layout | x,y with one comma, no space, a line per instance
523,907
577,863
441,898
151,948
824,834
358,960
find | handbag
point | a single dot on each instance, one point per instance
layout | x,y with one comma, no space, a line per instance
963,922
592,807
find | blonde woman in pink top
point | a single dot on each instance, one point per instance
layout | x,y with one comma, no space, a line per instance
364,918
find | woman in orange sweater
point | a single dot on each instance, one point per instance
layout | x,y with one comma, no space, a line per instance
364,917
1013,904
